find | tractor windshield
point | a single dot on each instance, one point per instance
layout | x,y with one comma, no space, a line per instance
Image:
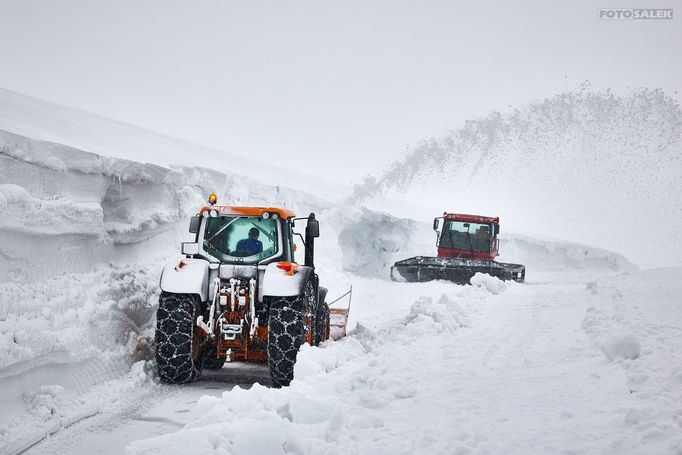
460,235
240,239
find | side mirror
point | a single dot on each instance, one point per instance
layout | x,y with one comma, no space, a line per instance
497,229
436,223
312,229
190,248
194,223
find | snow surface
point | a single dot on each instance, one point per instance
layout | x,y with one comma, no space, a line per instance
582,358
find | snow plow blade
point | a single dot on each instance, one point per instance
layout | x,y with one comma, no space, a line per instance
457,270
338,317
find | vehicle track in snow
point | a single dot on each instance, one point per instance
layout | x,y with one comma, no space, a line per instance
154,409
522,372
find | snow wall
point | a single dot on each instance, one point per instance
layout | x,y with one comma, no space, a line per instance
64,210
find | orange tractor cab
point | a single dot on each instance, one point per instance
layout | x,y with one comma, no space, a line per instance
467,244
239,294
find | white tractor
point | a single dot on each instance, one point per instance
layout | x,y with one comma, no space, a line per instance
238,294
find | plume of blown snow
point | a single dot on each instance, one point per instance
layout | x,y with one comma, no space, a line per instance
585,165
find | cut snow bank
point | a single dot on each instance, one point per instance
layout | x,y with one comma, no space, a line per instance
47,121
64,209
557,255
24,213
372,241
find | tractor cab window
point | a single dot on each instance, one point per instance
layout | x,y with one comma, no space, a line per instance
461,235
241,239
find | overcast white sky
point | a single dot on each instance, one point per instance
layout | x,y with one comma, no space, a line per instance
333,88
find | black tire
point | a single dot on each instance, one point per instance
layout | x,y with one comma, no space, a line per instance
322,323
287,332
210,361
178,343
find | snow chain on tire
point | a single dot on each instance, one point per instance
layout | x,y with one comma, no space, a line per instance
287,332
322,323
178,346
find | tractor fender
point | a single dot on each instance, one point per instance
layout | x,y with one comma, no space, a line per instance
186,276
279,283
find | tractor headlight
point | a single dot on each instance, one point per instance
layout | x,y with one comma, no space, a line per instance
213,213
206,214
266,215
275,216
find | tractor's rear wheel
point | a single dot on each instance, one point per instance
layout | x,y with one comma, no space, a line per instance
178,342
287,331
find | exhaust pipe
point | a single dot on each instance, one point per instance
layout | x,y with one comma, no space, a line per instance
312,231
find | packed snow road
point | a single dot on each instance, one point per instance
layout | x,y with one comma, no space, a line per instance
153,409
565,364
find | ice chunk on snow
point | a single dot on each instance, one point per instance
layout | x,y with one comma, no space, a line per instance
445,315
492,284
621,347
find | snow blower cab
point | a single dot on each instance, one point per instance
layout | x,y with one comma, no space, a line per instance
238,294
467,244
467,236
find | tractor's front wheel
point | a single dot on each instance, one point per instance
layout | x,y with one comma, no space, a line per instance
178,342
287,331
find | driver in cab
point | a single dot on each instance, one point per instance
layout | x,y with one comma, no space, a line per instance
251,245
